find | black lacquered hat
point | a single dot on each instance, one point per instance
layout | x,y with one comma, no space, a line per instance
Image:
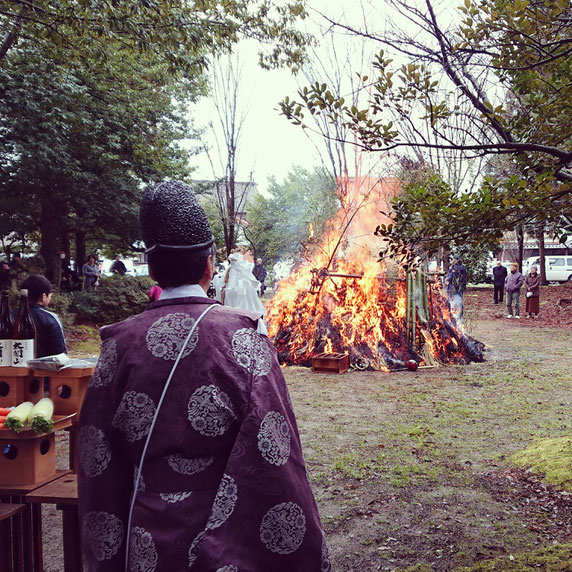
172,219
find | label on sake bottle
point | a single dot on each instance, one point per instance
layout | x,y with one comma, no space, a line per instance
22,351
5,353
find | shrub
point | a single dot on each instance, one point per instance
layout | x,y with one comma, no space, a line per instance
60,304
121,297
85,306
116,298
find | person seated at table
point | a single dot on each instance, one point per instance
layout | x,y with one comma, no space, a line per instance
50,338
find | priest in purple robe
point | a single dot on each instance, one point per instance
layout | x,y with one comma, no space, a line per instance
189,453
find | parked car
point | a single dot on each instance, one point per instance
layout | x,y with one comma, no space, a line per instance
558,267
531,261
141,270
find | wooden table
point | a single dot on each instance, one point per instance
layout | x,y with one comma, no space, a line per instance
63,492
10,554
27,525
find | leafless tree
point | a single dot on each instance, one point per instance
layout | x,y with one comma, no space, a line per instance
230,197
337,62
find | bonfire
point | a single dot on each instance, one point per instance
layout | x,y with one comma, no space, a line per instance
343,299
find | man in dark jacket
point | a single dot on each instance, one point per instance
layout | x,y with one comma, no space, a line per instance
50,338
513,284
118,267
499,276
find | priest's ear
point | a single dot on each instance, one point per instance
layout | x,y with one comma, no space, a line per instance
209,270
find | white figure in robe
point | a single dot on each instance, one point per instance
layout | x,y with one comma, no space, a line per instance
240,289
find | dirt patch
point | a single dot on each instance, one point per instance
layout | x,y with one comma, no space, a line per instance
546,510
555,306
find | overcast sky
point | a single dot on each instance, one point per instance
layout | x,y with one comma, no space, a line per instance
270,145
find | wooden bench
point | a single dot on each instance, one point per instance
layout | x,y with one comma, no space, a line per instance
27,525
63,492
10,547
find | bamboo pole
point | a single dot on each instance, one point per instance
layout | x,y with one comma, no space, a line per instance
408,312
413,311
422,283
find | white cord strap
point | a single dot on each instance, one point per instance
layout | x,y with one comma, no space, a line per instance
140,468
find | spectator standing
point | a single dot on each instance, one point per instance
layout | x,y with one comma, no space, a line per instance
17,264
499,276
513,283
189,454
456,285
532,287
91,273
4,275
260,274
50,339
118,267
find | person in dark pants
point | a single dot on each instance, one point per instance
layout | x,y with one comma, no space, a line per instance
499,276
456,285
260,274
4,275
513,284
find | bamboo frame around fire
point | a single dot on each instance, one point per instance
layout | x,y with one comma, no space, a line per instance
416,281
320,276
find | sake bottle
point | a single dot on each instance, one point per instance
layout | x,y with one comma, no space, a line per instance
6,327
24,334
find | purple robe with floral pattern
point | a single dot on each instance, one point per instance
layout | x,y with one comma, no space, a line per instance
223,487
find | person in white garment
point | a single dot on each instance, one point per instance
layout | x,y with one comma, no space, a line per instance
240,286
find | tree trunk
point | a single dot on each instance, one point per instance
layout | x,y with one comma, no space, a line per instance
541,254
65,244
12,35
520,247
230,227
50,229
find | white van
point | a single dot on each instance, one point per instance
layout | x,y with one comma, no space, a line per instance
558,267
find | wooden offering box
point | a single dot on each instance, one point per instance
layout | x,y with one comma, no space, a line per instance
26,457
332,363
67,388
19,384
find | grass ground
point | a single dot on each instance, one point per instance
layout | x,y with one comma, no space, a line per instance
415,470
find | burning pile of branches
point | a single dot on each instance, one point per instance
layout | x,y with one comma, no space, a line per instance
342,299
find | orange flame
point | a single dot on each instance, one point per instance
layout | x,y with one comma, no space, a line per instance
344,300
